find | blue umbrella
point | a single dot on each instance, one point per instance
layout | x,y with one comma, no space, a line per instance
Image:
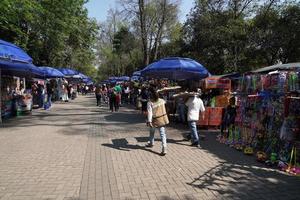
176,68
137,73
68,72
86,80
123,78
14,61
50,72
135,78
112,79
83,76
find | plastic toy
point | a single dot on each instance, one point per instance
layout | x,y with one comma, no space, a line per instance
248,150
282,165
293,168
273,157
261,156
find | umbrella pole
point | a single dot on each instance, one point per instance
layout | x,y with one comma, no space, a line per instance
0,97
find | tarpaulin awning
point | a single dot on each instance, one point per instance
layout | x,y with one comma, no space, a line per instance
68,72
50,72
288,66
137,73
16,62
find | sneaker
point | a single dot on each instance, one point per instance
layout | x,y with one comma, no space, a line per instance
149,145
164,151
195,144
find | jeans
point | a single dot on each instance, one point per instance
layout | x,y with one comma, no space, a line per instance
181,112
98,98
41,100
163,136
194,134
49,99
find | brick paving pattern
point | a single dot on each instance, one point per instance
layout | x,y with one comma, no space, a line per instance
77,151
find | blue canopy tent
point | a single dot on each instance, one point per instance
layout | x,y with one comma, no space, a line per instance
87,80
50,72
112,79
135,78
83,76
175,68
69,72
137,73
104,82
15,62
123,78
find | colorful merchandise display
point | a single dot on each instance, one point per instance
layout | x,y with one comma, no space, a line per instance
267,121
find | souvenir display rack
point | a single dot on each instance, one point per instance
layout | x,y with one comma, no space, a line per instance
268,118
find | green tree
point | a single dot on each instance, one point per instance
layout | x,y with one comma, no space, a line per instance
54,32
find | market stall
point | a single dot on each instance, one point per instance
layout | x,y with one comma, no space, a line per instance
267,116
15,65
216,95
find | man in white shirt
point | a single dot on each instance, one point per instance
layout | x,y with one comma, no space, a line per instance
195,105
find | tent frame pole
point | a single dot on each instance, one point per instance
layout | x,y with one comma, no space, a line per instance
0,97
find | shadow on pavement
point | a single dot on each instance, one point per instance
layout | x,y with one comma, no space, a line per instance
123,145
129,118
241,177
71,114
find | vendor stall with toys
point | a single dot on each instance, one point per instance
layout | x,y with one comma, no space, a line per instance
268,116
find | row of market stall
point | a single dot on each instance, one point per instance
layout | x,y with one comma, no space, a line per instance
258,112
24,86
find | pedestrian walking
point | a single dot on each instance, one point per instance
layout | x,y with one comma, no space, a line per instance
50,92
126,94
98,95
195,105
113,104
144,100
229,118
157,118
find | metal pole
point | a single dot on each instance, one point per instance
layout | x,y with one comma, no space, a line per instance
0,97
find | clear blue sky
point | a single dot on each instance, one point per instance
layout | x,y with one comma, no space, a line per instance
98,8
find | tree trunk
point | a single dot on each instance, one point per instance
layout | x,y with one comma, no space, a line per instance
143,31
160,29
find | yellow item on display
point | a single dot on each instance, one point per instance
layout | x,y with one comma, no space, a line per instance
248,151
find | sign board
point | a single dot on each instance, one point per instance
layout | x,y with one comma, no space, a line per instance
214,82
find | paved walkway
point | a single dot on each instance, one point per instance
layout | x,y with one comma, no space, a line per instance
78,151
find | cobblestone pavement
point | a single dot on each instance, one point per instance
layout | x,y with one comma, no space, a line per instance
77,151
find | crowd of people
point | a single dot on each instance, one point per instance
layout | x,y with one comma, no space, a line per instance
152,104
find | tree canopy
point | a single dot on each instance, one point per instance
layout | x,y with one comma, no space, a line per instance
223,35
54,32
